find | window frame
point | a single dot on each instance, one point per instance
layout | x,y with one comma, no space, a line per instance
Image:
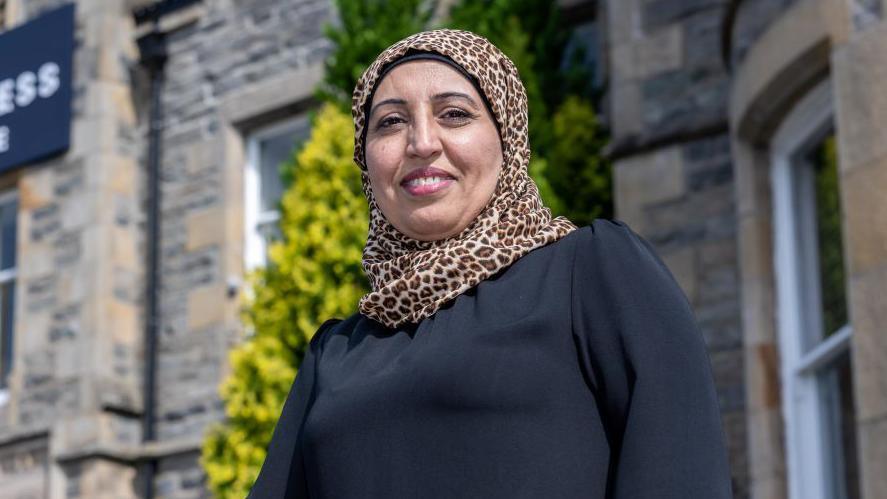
6,276
255,247
807,442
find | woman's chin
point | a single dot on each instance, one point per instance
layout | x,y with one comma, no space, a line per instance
432,228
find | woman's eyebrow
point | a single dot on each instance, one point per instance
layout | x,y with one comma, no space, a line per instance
399,102
450,95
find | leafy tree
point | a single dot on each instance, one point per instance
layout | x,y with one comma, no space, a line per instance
578,173
314,273
366,28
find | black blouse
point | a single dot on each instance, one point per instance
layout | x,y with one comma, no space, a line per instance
577,372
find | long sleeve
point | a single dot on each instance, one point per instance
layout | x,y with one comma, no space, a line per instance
644,359
282,475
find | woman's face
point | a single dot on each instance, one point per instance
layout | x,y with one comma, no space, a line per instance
432,150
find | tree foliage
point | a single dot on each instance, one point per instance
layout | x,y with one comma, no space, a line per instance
314,273
366,28
582,175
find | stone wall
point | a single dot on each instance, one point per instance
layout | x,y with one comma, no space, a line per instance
673,173
75,384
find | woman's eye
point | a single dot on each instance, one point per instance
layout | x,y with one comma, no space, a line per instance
457,115
388,121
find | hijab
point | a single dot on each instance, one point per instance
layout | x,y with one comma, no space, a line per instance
411,279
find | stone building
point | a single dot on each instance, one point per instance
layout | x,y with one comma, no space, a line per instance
747,144
748,139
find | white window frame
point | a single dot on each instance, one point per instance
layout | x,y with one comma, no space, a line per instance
255,247
6,276
805,424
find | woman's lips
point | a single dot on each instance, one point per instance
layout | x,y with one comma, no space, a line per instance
427,185
426,180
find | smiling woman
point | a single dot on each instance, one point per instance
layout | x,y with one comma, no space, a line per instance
432,150
502,353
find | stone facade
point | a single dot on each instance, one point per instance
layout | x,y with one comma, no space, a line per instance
696,91
777,61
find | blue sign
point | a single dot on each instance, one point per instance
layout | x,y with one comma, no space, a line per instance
35,88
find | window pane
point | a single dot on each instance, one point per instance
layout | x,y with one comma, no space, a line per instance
274,151
8,233
7,305
583,51
270,232
839,416
829,242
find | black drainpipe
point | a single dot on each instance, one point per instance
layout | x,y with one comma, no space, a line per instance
153,57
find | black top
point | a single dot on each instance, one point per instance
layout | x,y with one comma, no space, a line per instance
577,372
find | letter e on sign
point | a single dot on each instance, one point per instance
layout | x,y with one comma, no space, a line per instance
25,89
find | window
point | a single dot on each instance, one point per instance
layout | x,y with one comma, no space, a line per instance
267,149
813,323
8,213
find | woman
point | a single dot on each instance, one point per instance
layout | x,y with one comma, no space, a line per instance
502,353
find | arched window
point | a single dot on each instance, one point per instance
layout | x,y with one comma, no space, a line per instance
815,332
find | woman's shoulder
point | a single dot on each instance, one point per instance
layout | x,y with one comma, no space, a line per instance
610,254
608,239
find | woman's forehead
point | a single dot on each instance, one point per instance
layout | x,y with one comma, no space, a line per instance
423,78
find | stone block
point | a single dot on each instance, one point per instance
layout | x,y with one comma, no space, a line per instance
622,58
860,77
39,293
646,179
865,216
92,135
273,94
206,306
205,156
626,116
35,260
868,314
206,227
623,19
77,212
35,188
659,52
872,439
69,178
124,252
25,469
104,479
682,264
124,174
649,55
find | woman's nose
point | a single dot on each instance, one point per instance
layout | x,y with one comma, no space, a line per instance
424,138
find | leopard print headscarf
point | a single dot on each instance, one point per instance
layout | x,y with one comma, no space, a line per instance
412,279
